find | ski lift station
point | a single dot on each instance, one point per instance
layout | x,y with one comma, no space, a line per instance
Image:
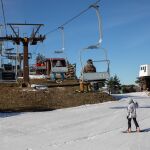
144,77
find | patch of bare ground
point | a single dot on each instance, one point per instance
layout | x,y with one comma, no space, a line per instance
28,99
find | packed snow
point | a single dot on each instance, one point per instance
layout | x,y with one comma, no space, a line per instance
88,127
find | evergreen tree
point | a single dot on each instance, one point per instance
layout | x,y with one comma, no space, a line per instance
137,81
113,84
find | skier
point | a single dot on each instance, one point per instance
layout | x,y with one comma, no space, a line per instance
131,114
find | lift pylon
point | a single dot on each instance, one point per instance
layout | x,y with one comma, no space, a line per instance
17,39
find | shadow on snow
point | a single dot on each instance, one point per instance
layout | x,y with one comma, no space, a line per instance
8,114
125,107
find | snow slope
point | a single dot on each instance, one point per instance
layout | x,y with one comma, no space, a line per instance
89,127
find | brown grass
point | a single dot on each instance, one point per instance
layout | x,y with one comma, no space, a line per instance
25,99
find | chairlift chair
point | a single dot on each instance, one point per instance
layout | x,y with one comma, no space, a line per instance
98,75
95,76
63,68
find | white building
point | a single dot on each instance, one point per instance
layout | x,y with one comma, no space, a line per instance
144,77
144,70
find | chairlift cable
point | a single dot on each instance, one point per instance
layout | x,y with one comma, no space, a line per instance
2,5
68,21
73,18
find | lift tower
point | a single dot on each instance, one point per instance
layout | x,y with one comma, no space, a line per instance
32,40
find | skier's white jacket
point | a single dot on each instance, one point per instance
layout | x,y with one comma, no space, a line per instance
131,109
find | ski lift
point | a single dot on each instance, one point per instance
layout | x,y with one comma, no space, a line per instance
95,76
60,64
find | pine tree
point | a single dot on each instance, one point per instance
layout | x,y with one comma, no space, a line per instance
113,84
137,80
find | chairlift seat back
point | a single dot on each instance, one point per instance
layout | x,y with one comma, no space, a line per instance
59,69
95,76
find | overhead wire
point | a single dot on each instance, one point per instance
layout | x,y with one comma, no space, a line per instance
4,17
73,18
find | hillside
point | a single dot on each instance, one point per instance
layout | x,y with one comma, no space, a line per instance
85,127
30,99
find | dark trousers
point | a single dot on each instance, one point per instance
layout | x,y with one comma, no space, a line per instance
135,122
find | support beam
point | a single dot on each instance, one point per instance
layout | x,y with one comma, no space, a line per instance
25,61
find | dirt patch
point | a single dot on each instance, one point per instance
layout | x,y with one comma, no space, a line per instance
28,99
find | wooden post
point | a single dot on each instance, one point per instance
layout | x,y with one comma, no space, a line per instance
25,62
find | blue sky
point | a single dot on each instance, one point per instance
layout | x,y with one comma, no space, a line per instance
125,23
